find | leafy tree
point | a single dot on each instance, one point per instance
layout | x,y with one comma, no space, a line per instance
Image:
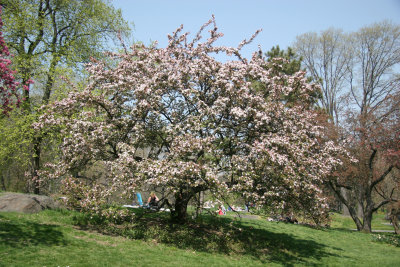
51,37
16,137
10,140
205,124
288,63
45,34
291,61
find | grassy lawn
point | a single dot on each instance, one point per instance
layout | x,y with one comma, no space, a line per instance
345,222
52,238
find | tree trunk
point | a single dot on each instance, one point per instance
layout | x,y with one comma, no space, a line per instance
50,80
181,202
36,164
345,210
344,198
26,104
368,211
367,219
37,142
356,220
3,184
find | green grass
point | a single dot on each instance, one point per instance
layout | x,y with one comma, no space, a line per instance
345,222
52,238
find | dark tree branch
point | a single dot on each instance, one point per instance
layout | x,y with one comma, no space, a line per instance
381,178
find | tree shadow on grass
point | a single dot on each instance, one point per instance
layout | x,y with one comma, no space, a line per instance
19,234
231,237
284,248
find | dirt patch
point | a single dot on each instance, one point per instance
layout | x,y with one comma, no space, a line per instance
253,217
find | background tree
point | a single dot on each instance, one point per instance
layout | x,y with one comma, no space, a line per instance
372,124
326,57
16,136
8,85
286,62
368,122
49,37
208,128
291,63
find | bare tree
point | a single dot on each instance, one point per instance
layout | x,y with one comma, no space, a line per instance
376,55
372,123
360,68
326,57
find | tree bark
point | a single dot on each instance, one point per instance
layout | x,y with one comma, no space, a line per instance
50,80
345,210
200,201
36,163
368,210
37,142
3,184
344,199
181,202
367,219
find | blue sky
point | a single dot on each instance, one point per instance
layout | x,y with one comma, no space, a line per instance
281,21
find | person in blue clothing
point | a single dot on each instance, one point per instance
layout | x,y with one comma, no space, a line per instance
139,199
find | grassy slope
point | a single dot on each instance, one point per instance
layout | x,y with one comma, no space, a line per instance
50,239
345,222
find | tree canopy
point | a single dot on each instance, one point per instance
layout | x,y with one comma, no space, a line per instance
50,39
8,85
358,76
47,34
205,124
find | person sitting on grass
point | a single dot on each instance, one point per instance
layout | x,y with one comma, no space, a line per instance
220,211
153,200
223,209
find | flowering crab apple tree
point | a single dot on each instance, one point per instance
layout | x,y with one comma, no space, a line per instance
8,84
207,127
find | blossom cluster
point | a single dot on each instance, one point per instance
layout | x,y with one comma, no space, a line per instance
205,124
9,86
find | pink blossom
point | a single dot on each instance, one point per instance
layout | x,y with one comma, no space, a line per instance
196,124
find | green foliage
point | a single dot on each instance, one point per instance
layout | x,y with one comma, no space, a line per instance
287,62
50,40
63,32
387,238
16,135
291,62
110,215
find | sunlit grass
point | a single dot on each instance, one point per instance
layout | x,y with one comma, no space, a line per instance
52,238
346,222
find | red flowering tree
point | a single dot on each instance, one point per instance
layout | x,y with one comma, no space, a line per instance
8,84
373,181
206,125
